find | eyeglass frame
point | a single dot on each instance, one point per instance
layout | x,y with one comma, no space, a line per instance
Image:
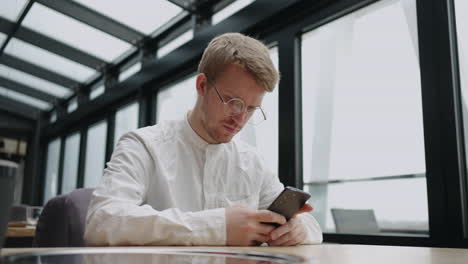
243,104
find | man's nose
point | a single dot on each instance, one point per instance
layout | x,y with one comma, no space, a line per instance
240,118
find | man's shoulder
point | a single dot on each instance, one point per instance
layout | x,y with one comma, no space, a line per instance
161,132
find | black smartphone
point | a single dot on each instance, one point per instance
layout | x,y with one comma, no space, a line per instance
289,202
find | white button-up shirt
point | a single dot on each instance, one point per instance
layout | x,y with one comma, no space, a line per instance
164,185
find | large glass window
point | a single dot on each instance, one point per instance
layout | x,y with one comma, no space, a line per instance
70,163
363,140
126,119
52,167
95,154
175,101
264,136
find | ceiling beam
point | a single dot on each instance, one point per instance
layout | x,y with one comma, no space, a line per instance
16,26
27,90
38,71
160,68
95,19
19,108
52,45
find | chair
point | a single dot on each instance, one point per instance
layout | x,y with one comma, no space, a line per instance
62,221
358,221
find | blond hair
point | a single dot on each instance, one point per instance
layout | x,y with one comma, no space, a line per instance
235,48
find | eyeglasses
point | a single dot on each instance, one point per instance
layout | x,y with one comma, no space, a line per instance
236,106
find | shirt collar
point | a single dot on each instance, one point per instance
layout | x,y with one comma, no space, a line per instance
192,136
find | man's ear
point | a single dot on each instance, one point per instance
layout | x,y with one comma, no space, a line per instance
202,84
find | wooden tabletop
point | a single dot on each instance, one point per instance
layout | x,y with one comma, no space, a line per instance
326,253
21,231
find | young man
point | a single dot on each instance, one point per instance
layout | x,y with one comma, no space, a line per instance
189,182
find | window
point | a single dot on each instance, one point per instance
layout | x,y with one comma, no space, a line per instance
96,92
32,101
265,135
363,139
12,9
79,35
174,102
48,60
52,167
72,105
70,163
95,154
175,43
129,72
146,16
230,10
34,82
126,119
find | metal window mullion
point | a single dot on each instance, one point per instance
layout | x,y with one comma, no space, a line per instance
441,120
63,139
82,157
289,136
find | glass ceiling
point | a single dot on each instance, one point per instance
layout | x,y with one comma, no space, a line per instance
12,9
75,43
24,99
33,82
74,33
146,16
48,60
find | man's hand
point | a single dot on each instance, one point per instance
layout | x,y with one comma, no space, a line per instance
293,232
245,226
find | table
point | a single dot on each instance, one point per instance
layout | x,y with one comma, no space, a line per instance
326,253
21,231
20,236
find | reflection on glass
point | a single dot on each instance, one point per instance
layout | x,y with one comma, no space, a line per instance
265,135
175,101
362,117
70,163
146,16
25,99
33,82
95,154
126,119
52,167
77,34
48,60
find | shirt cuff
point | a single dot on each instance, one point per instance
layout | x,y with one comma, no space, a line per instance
209,227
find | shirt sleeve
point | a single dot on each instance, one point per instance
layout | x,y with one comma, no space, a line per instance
271,188
117,214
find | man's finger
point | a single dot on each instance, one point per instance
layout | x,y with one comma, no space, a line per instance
265,229
267,216
304,209
280,231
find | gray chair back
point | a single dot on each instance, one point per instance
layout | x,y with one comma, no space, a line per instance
62,221
356,221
